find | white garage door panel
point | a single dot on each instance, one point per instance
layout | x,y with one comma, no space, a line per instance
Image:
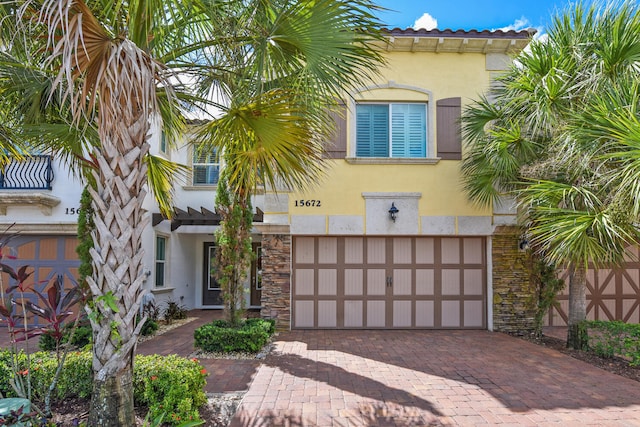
376,314
304,314
327,314
402,314
376,282
353,314
424,314
389,282
353,282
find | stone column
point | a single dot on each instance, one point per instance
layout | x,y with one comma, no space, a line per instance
514,293
276,274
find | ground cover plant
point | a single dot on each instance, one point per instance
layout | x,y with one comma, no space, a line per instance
614,338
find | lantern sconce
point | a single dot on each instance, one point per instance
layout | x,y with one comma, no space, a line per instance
393,212
523,244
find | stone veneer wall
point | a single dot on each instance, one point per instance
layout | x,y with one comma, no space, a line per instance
514,294
276,279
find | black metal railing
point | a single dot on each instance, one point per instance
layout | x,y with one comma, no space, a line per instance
32,173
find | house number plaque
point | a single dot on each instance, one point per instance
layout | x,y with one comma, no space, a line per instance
308,203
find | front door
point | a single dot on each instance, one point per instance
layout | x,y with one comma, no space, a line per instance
211,293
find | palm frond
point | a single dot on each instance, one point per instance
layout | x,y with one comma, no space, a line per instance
266,141
162,177
569,223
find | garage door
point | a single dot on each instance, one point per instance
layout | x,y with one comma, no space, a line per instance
389,282
47,257
612,294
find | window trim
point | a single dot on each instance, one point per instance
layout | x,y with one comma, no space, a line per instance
363,96
163,262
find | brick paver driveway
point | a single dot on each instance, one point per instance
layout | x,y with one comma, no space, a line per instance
409,378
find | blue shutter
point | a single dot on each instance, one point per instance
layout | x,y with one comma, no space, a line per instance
372,130
409,130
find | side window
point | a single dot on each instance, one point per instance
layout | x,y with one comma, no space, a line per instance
206,167
397,130
163,143
160,261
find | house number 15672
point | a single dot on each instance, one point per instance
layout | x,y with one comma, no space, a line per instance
302,203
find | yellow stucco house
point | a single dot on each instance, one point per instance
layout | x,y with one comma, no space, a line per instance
388,239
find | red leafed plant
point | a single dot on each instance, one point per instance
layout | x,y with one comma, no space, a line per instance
54,307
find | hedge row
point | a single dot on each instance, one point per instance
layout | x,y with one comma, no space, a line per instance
221,337
169,385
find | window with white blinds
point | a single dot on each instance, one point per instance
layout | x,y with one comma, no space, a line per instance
391,130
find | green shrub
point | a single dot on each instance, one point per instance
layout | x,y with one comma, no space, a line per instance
81,338
76,377
220,336
6,373
149,328
614,338
170,384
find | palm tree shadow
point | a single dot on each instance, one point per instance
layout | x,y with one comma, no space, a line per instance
378,414
301,367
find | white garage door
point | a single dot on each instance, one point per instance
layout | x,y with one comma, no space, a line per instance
389,282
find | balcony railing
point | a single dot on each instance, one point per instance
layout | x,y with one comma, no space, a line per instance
32,173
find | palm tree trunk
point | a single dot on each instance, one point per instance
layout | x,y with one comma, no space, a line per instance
577,305
116,284
112,400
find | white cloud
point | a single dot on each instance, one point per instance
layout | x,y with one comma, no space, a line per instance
519,24
523,24
426,21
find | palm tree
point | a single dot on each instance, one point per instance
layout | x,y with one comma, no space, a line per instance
281,86
104,62
107,61
539,141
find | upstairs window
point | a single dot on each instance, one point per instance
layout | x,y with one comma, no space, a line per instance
206,167
391,130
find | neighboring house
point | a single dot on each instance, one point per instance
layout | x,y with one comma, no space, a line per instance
39,207
386,240
179,252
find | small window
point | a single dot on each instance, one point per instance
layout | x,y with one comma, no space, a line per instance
161,261
163,143
391,130
206,167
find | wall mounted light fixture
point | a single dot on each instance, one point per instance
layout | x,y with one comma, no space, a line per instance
523,244
393,212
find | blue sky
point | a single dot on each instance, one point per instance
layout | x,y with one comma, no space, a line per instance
471,14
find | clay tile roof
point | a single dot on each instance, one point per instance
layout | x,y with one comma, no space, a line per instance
447,32
457,41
